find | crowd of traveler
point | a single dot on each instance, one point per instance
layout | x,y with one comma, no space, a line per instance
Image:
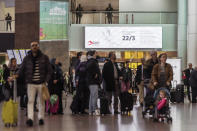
85,79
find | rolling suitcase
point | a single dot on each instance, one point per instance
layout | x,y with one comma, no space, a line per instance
104,103
179,96
52,107
126,101
173,95
75,105
104,106
10,109
173,92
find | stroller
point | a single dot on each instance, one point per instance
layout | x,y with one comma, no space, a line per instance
163,113
150,106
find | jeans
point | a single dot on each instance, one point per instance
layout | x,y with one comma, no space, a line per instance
116,94
93,98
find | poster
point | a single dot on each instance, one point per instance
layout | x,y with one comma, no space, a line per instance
53,20
176,66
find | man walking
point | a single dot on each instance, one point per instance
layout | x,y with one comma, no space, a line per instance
193,83
37,70
187,83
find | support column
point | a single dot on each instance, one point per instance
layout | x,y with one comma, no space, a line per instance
182,32
27,22
192,32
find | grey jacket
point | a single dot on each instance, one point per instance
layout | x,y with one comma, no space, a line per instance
26,68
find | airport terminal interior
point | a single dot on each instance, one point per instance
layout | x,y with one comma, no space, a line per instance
98,65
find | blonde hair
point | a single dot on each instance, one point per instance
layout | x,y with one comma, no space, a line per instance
163,92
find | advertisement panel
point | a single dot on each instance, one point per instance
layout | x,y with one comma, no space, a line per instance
123,37
53,20
176,66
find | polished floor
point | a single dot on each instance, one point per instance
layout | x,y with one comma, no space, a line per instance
184,119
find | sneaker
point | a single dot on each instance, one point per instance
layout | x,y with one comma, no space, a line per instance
29,122
41,122
97,112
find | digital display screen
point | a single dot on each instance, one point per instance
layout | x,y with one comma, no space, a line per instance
123,37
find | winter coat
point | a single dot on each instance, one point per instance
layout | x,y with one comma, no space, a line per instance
27,68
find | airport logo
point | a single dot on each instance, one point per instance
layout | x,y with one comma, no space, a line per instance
93,42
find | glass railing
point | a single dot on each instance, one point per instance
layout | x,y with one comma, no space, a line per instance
7,26
134,17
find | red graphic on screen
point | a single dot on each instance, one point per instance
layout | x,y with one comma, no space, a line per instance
90,42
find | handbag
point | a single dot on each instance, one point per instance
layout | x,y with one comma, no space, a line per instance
45,92
5,93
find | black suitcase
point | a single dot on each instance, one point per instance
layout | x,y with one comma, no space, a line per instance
75,105
179,93
126,102
173,95
104,103
104,106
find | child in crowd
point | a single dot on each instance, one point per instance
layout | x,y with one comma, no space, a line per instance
162,100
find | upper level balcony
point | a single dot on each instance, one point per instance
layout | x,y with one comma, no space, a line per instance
123,17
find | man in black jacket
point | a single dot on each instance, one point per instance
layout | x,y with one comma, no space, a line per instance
37,71
149,64
94,80
187,83
193,83
111,75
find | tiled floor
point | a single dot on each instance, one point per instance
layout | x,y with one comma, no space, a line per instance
184,119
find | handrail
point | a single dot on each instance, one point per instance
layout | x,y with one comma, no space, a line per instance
7,20
124,17
125,11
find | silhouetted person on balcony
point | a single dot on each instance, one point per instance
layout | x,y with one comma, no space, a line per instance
109,13
79,14
8,19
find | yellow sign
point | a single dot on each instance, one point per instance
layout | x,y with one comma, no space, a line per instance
127,55
134,65
140,55
134,55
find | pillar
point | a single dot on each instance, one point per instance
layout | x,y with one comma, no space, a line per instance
192,32
182,32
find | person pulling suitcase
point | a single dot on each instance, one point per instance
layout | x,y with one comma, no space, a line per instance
10,109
